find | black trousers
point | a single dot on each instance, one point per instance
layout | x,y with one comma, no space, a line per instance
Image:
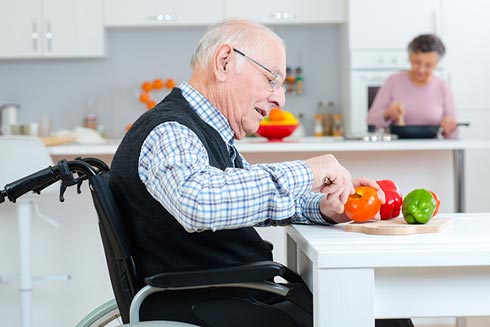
225,307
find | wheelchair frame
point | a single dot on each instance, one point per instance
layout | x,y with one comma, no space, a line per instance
251,276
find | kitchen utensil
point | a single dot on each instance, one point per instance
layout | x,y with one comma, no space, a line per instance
372,137
418,131
398,226
8,117
275,133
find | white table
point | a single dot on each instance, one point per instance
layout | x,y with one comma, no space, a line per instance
356,277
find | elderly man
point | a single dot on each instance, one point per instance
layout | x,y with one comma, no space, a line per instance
189,197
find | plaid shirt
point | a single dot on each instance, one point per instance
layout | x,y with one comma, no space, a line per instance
174,166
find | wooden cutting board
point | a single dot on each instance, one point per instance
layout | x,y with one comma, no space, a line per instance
398,226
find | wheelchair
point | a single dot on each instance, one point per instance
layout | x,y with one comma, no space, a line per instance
186,298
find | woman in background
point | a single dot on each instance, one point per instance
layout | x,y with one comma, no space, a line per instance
416,96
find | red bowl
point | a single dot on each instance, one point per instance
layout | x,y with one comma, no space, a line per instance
275,133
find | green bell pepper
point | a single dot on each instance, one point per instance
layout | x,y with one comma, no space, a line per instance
418,206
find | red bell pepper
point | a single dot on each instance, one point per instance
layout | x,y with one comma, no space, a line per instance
392,206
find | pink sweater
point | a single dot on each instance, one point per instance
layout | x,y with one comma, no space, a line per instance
423,105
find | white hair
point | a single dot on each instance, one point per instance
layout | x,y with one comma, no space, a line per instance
240,33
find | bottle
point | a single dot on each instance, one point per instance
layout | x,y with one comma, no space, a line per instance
337,129
90,119
318,127
299,81
326,109
290,81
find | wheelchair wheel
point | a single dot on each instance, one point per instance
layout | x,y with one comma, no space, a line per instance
105,315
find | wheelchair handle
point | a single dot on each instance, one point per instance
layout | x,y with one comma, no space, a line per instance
63,171
20,187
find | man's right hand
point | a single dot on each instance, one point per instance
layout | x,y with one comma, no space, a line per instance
331,178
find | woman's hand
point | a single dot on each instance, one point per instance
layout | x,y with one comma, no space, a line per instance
335,211
448,125
394,112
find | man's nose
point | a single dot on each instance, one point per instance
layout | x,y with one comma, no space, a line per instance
278,97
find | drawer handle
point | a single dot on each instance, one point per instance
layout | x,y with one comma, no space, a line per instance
164,18
283,15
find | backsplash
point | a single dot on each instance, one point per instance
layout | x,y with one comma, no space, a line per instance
66,90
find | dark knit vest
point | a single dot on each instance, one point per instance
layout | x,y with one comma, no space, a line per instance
161,243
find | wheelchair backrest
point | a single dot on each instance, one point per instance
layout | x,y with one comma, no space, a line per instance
116,242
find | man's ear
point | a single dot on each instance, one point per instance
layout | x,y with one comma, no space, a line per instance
222,60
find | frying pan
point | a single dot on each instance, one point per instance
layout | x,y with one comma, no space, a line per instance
418,131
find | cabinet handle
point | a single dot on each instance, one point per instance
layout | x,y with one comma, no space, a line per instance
49,37
35,36
164,17
283,15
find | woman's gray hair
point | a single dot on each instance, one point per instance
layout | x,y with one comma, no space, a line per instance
427,43
241,33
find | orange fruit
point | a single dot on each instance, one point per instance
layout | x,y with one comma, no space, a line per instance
170,84
151,104
289,118
157,84
276,114
145,97
146,86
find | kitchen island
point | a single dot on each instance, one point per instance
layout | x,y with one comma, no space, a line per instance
435,164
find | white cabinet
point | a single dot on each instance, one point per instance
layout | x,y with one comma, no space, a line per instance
123,13
288,11
51,28
466,35
391,24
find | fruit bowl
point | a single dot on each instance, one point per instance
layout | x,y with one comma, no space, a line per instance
276,132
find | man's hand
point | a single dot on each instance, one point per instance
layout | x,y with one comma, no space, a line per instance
335,212
332,179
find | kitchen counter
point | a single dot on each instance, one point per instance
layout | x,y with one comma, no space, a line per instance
304,144
435,164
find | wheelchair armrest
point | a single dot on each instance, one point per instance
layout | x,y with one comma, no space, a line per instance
243,273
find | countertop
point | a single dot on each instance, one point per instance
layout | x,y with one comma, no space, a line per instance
304,144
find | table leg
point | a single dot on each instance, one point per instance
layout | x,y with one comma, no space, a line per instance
24,208
291,253
459,180
343,297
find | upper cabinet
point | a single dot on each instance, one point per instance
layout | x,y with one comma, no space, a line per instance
288,11
391,24
122,13
51,28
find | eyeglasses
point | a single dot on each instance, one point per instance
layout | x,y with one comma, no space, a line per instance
274,81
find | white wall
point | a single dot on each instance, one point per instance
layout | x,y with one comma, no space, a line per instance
60,89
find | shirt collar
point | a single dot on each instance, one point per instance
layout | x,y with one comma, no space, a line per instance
207,112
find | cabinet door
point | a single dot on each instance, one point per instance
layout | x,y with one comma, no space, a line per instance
20,28
391,24
467,65
73,28
288,11
51,28
120,13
